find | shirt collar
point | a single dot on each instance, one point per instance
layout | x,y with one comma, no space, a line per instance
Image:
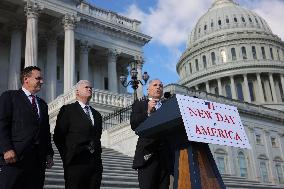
82,104
28,93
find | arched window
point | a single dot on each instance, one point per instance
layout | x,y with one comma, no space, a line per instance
279,172
227,20
216,91
212,24
263,170
220,159
253,52
250,20
244,53
264,91
243,19
190,68
196,65
235,19
205,27
199,30
240,91
242,164
219,22
223,56
213,58
281,92
278,55
228,91
251,91
233,52
271,54
256,20
204,62
263,53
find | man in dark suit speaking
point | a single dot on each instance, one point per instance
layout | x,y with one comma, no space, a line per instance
151,156
25,144
77,136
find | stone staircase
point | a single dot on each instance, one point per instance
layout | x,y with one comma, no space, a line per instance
117,172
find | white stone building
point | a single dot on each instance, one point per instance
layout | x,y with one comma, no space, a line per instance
232,52
69,40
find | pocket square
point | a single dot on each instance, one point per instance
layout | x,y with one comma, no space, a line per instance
147,156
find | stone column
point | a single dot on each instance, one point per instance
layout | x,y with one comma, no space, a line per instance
112,73
98,77
233,88
51,68
282,82
260,90
247,92
69,22
219,86
32,10
207,87
139,77
15,59
84,61
272,86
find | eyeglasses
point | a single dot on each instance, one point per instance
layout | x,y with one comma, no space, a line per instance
39,78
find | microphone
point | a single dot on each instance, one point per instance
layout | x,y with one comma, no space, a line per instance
167,95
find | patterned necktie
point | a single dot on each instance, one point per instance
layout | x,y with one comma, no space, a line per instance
34,106
86,108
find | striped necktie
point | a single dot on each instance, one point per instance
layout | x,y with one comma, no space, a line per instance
34,106
86,108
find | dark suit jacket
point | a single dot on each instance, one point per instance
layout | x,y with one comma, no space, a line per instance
145,146
20,127
74,131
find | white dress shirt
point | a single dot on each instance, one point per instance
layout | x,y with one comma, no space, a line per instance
89,109
30,98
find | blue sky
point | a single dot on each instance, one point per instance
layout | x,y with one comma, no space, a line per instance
169,22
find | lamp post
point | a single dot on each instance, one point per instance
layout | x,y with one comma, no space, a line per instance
134,82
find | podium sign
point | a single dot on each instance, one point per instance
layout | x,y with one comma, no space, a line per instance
211,122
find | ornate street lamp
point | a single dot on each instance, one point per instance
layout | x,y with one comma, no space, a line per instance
134,82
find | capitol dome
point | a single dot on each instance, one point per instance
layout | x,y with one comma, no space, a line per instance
225,16
232,52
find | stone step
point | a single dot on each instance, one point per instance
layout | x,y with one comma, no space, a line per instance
117,172
105,171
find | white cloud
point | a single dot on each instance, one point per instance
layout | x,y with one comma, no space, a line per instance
273,12
171,21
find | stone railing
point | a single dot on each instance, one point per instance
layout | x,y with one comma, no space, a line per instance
66,98
109,16
112,99
99,97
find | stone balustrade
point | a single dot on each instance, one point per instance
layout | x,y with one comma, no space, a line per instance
111,98
106,98
110,17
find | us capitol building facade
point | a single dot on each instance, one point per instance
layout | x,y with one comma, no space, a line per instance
232,57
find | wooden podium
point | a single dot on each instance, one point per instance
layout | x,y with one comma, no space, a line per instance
194,166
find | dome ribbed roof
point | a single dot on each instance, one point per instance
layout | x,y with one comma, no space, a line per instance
226,16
